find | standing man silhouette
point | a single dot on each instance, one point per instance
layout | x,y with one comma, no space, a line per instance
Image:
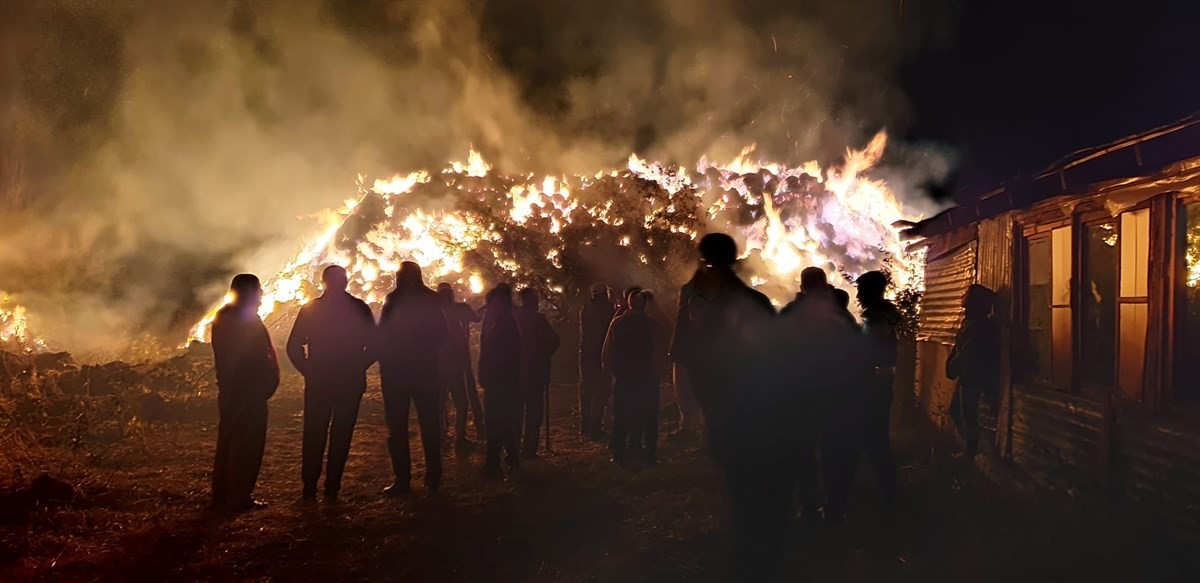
411,333
880,318
725,335
539,342
595,384
247,376
629,352
500,375
331,344
455,362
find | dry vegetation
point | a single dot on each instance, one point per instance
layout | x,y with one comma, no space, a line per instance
126,491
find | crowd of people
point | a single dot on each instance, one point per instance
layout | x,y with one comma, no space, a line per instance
789,400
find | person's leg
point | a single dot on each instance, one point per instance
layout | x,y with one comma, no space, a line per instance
495,429
807,488
757,543
970,419
345,416
585,400
602,391
649,425
839,458
395,414
248,446
535,408
685,400
317,411
477,411
457,386
428,399
879,445
221,461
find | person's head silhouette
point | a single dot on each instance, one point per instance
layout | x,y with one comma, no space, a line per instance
871,286
979,301
445,292
247,291
409,277
335,279
529,299
637,302
717,250
813,279
841,298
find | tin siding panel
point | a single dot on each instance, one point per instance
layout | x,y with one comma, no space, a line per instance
946,279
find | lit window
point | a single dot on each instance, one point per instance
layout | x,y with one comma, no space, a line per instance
1098,305
1135,307
1187,341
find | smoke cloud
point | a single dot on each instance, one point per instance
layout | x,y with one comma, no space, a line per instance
148,150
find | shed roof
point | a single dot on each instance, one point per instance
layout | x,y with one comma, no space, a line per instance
1143,154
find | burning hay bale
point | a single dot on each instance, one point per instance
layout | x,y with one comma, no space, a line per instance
560,234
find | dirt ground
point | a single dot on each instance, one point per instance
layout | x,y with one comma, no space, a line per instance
142,514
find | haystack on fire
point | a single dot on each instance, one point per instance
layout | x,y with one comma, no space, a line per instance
475,228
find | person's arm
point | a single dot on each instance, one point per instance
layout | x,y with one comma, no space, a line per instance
369,333
606,352
296,342
268,362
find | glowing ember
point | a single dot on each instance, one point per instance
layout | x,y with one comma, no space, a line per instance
473,228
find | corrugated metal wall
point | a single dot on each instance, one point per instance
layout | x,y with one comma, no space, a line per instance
946,279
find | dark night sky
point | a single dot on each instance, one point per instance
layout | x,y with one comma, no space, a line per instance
1024,83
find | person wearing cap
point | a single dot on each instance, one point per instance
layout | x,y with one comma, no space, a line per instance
412,331
455,364
975,363
595,384
331,345
880,319
539,342
247,376
725,336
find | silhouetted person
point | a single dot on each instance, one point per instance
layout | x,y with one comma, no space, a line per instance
814,337
623,301
455,362
331,345
411,333
662,337
724,335
629,353
500,375
975,363
539,342
880,319
247,376
595,384
841,299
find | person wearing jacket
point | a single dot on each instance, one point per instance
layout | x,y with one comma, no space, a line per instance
331,344
500,375
412,331
247,376
595,384
539,342
629,352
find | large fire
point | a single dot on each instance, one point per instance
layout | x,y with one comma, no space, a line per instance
475,228
14,326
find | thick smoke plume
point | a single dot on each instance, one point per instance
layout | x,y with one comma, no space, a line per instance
150,149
